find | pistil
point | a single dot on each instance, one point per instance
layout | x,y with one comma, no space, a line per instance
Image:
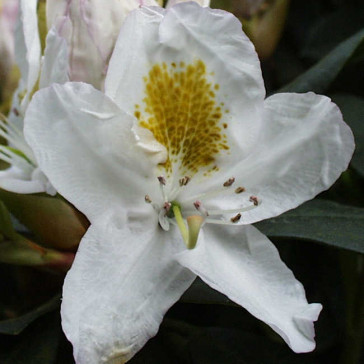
194,223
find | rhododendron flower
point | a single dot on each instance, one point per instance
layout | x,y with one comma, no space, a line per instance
37,71
171,164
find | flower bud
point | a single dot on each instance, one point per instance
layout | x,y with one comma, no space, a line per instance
263,21
8,13
54,222
90,28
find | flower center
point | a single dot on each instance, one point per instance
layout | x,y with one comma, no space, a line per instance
194,212
182,112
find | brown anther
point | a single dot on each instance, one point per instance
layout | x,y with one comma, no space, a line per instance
240,190
183,181
197,204
16,111
229,182
167,206
236,218
147,199
254,199
162,180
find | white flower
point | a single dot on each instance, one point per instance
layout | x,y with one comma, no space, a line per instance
37,71
8,11
182,132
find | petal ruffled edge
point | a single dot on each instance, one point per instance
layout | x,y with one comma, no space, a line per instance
243,264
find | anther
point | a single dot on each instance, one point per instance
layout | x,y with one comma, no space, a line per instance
229,182
162,180
199,207
167,206
236,218
147,199
15,111
184,181
254,199
239,190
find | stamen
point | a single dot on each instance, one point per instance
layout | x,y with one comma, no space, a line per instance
239,190
232,211
254,199
229,182
147,199
184,181
162,183
167,206
162,180
236,218
14,136
199,207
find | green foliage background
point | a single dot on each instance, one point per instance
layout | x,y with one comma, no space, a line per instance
321,50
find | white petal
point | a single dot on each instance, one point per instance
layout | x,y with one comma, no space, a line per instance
188,33
200,2
15,180
27,46
121,284
244,265
304,147
55,60
84,143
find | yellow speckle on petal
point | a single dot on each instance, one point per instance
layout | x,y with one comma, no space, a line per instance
183,114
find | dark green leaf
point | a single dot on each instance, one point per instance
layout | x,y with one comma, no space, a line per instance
352,108
320,76
6,226
323,221
331,29
17,325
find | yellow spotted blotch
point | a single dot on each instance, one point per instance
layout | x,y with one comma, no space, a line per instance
182,112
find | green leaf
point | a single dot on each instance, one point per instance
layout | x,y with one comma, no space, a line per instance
322,221
322,74
6,226
352,108
332,28
17,325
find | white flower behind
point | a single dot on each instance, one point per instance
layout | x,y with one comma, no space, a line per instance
181,149
37,71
